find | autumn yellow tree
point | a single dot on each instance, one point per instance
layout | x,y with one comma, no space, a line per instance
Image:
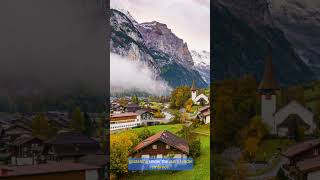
120,147
256,128
251,146
184,117
188,105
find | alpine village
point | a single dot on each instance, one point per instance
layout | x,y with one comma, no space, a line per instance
175,126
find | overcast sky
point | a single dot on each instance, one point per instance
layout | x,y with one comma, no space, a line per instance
188,19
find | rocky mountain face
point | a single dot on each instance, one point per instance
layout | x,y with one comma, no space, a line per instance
156,45
159,37
243,32
202,63
127,41
300,22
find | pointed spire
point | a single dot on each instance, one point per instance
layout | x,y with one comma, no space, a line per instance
193,87
268,82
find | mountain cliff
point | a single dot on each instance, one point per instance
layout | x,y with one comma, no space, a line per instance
156,45
243,32
300,22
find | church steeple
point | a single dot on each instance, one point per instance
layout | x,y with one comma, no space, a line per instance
193,87
193,92
268,83
267,88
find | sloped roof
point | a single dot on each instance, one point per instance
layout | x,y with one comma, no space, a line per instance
166,137
204,108
132,105
142,111
301,147
71,138
23,139
268,81
293,119
124,114
308,165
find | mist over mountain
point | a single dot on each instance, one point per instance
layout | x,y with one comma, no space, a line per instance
134,76
52,54
52,44
154,44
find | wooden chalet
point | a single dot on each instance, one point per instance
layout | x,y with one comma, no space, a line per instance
204,114
25,150
15,131
303,160
69,146
144,114
164,144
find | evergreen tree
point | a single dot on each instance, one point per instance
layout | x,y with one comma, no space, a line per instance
88,125
41,128
78,121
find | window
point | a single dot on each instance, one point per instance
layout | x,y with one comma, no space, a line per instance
154,146
316,152
153,156
167,146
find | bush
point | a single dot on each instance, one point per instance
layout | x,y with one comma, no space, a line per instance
195,149
158,114
196,123
145,133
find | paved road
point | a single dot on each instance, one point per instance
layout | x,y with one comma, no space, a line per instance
168,117
270,174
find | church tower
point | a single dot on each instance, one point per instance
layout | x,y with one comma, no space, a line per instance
267,88
193,91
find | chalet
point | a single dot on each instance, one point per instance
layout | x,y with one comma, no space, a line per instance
25,150
124,121
51,171
144,114
309,169
69,146
132,107
302,160
16,130
204,114
117,108
199,99
282,121
161,145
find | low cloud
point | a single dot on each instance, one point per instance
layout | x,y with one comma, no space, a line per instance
129,76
